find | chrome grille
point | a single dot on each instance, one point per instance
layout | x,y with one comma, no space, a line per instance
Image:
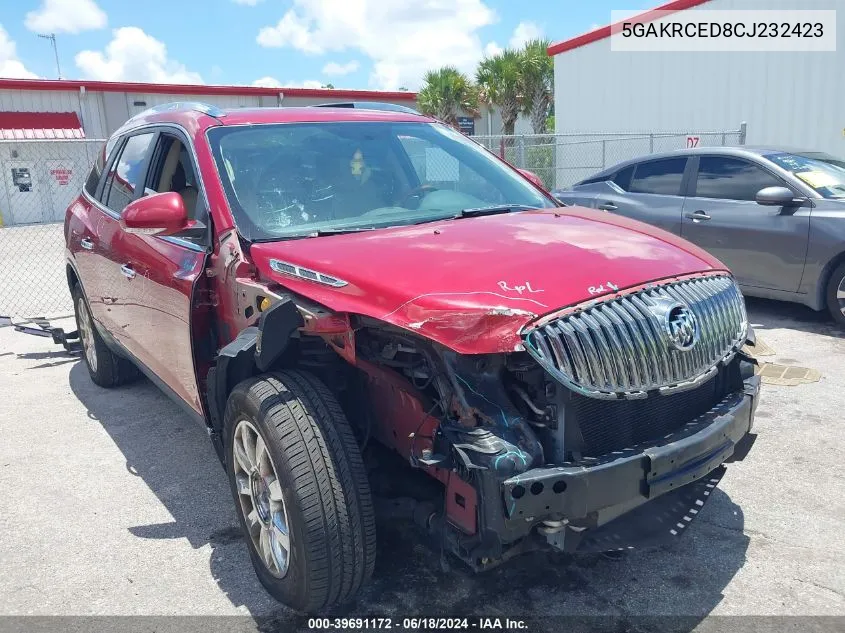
622,348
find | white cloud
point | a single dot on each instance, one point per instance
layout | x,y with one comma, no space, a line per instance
290,31
525,32
492,49
66,16
10,66
308,83
333,68
404,38
272,82
267,82
132,55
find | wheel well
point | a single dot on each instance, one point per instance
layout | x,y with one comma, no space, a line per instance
72,278
256,349
821,291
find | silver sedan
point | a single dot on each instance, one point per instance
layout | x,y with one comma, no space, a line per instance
774,216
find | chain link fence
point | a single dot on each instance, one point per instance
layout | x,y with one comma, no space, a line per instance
39,180
561,160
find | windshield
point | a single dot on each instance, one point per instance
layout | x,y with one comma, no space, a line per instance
825,158
298,179
822,174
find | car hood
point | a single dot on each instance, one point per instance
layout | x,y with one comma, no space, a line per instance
471,284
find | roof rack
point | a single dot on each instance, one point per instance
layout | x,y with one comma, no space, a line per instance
368,105
181,106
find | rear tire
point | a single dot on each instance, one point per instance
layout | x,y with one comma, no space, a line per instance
106,368
835,294
305,473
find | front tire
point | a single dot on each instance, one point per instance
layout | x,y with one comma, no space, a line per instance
835,294
106,368
300,489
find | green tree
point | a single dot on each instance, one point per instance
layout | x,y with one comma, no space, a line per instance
499,80
446,92
537,81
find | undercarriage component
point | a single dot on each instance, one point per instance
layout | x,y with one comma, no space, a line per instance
663,520
68,340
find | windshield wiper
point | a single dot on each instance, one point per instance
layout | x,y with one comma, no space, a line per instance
338,231
493,210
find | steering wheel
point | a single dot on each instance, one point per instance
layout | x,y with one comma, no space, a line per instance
419,191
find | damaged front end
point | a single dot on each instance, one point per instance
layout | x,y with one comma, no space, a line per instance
608,432
599,427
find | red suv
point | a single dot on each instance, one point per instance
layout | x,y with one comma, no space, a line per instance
315,285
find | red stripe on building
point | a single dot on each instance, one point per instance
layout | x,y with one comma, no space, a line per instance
201,89
606,31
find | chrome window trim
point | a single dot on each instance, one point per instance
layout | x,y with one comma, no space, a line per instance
178,241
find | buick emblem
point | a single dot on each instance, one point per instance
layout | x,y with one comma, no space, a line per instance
682,327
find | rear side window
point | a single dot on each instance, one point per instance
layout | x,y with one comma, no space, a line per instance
126,172
622,178
593,180
732,178
97,170
659,176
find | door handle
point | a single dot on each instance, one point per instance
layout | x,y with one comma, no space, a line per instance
87,244
126,271
607,206
697,216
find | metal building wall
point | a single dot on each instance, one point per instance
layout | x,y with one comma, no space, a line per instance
786,98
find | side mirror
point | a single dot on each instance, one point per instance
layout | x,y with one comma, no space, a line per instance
156,214
778,197
533,178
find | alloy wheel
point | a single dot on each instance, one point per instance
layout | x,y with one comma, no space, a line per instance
840,295
261,498
86,334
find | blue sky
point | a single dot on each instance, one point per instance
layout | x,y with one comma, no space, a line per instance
380,44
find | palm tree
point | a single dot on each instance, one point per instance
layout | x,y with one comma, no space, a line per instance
537,78
499,79
447,92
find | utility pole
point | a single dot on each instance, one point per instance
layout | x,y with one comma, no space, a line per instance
52,38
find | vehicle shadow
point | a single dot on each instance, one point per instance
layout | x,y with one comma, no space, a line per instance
174,458
769,314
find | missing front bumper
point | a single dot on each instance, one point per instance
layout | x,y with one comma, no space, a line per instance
639,491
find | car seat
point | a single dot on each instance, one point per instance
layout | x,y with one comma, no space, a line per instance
179,183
